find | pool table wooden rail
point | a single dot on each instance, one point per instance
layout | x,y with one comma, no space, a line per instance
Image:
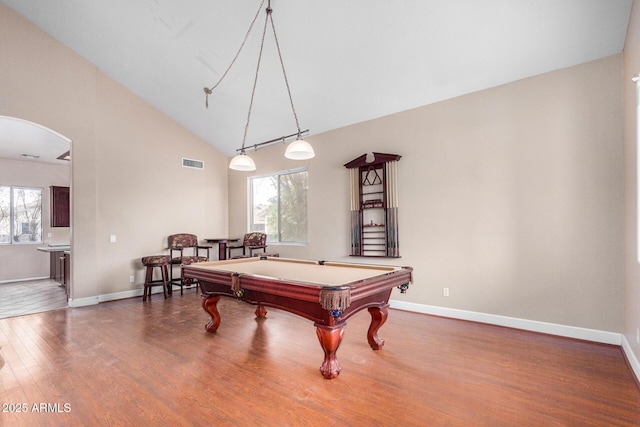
305,299
216,282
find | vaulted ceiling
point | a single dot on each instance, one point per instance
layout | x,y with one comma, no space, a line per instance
346,61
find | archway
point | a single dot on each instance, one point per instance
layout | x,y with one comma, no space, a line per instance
33,156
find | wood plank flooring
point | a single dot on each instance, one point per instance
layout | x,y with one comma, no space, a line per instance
128,363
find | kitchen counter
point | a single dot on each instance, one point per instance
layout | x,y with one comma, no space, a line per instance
59,254
53,248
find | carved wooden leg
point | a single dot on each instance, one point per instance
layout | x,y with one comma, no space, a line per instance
378,317
210,306
330,339
148,278
165,279
261,311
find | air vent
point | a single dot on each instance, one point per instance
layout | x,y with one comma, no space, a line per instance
193,164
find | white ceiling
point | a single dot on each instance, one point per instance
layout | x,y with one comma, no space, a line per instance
346,61
24,140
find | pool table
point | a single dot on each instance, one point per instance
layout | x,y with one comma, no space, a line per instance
328,293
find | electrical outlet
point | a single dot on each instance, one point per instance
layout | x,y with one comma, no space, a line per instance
445,292
132,279
112,238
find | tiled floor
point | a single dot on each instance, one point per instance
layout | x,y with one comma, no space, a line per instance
19,298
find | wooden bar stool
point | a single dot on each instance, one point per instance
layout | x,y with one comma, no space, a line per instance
162,262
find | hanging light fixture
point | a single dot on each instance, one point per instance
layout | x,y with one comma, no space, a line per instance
297,150
242,162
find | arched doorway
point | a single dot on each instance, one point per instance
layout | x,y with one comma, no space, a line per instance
34,160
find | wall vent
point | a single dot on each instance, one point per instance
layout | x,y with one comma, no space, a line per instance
193,164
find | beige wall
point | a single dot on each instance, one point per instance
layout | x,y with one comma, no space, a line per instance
511,197
126,176
23,261
632,268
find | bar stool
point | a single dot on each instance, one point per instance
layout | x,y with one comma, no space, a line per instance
162,262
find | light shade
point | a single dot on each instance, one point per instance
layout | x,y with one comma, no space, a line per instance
242,162
299,150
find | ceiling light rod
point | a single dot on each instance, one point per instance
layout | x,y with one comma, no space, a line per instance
282,139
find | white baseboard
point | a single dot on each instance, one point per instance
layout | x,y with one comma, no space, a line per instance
492,319
30,279
513,322
82,302
121,295
631,357
528,325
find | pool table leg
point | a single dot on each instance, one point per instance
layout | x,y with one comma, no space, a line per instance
378,317
330,339
261,311
210,305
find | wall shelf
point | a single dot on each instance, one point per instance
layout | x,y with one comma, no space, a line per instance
374,225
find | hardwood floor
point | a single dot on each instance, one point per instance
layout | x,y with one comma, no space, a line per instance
129,363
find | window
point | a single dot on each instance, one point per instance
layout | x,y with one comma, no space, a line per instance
20,215
278,206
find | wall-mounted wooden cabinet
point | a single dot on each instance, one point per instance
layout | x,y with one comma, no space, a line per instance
60,212
374,207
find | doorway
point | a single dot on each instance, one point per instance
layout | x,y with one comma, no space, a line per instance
35,158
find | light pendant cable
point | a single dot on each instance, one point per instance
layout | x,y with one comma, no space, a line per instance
299,149
242,161
208,91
